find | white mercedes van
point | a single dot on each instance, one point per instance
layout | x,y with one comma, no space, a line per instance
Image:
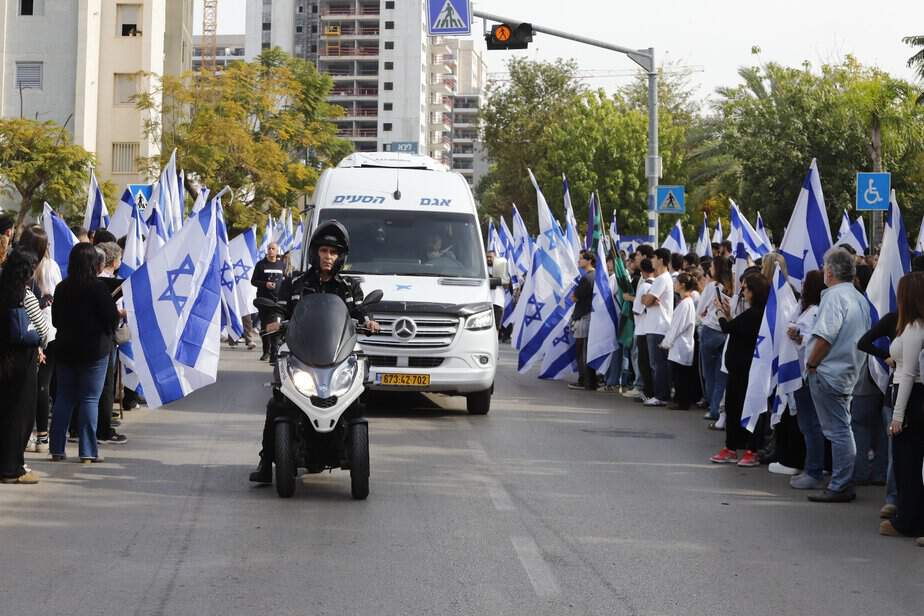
414,234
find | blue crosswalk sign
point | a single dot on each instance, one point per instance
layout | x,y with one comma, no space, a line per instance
449,17
670,200
873,190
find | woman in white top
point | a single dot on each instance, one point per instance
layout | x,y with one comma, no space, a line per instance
679,342
907,427
711,337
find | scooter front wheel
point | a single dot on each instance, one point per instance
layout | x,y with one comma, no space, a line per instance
359,461
285,460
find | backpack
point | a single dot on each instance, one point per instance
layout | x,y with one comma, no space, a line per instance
22,331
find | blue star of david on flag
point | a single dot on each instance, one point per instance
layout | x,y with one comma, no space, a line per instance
225,282
757,346
537,315
565,337
245,271
551,235
186,268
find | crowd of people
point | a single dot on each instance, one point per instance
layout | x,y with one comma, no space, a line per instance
59,368
687,335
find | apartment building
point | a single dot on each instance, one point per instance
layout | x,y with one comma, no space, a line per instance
470,75
230,48
79,62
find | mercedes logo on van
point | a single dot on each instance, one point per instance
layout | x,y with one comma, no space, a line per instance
405,329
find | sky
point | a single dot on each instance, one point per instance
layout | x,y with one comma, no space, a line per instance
711,37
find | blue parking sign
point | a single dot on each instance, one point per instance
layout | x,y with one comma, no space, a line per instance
449,17
873,190
670,200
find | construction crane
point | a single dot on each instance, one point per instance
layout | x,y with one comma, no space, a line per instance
209,35
609,74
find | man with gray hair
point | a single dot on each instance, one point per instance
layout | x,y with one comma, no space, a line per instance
834,364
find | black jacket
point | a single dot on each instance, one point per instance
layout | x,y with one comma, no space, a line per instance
347,289
265,272
584,296
86,318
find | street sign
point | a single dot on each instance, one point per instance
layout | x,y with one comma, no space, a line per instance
449,17
405,147
141,194
670,200
873,190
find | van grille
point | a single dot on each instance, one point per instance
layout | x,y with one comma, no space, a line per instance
433,331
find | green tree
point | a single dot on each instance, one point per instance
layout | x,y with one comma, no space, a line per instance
262,127
39,161
916,61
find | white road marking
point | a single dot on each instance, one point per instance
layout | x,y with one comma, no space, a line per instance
537,570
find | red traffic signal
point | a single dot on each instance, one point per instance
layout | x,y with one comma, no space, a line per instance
509,36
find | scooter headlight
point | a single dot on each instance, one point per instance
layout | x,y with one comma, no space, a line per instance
480,320
343,377
303,380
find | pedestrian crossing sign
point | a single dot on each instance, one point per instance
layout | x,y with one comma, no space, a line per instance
449,17
670,200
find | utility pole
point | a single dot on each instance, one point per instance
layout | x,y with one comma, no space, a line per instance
645,58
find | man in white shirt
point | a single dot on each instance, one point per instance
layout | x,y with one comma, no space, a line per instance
641,328
659,304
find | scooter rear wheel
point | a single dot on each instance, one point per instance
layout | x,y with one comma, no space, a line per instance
359,461
285,460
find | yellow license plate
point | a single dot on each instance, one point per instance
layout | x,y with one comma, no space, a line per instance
403,380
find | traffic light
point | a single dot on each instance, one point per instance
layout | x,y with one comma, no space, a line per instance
510,36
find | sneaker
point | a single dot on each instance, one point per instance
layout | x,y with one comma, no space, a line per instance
830,496
633,393
887,511
41,443
725,456
708,416
115,423
264,357
30,444
115,439
781,469
57,457
575,386
654,402
27,478
804,481
749,459
251,346
71,439
95,460
886,529
720,422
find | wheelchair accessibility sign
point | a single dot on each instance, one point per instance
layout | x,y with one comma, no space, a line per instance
873,191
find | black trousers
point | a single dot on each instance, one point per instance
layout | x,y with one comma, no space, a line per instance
790,444
17,410
587,376
46,372
644,366
106,401
907,458
736,437
270,343
686,384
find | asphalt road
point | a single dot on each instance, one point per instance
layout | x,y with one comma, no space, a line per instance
558,502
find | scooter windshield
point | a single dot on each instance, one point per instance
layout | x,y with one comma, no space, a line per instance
321,332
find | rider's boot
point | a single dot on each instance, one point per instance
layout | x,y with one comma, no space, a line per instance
264,472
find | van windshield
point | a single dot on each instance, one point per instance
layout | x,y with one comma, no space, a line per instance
411,244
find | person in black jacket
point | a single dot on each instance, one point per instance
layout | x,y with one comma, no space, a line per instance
583,298
268,276
328,249
86,317
742,338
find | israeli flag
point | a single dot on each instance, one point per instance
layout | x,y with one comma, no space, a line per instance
559,354
95,216
764,374
202,199
882,290
243,252
60,238
571,233
268,237
231,309
173,197
674,240
522,244
604,320
858,230
717,236
157,232
122,218
919,244
746,241
762,233
808,235
703,245
133,255
173,303
614,234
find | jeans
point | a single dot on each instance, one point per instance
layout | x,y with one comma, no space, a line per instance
711,345
644,365
833,409
618,373
869,433
660,368
79,387
811,432
638,384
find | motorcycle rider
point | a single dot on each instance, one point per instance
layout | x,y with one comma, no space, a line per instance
268,275
328,250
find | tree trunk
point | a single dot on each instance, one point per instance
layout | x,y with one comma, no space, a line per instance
24,207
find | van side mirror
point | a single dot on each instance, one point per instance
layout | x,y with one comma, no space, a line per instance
494,282
374,297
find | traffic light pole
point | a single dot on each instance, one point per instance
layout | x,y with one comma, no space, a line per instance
645,58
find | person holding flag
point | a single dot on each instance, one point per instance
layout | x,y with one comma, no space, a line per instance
679,342
583,297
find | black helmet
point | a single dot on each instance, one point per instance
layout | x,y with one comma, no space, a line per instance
329,233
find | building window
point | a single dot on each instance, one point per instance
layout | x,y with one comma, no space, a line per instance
389,66
314,8
128,20
314,28
301,8
29,75
389,44
386,126
314,48
124,157
387,106
389,25
264,45
125,87
390,4
389,85
267,26
31,7
299,29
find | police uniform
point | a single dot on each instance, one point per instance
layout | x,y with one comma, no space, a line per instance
264,272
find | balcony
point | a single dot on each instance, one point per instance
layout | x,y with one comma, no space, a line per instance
347,92
440,103
463,164
359,113
340,51
358,134
464,136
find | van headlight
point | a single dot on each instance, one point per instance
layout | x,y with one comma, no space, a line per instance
342,379
303,380
480,320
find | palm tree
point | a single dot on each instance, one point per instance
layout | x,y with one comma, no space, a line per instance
916,61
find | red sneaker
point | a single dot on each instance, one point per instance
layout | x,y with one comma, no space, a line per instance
749,459
725,456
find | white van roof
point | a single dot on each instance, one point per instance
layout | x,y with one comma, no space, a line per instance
417,189
391,160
